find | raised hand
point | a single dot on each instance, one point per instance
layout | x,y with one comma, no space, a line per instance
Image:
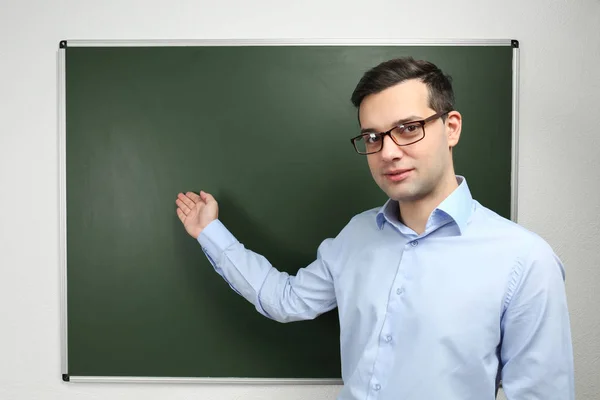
196,212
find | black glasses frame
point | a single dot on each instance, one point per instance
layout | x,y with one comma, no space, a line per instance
382,135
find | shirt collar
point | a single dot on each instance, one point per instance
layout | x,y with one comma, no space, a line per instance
458,206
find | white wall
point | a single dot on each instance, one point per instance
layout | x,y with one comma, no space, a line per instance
559,195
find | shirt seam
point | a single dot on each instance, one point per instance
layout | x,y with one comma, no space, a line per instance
517,275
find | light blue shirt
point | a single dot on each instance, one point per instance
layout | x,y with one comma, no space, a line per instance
434,316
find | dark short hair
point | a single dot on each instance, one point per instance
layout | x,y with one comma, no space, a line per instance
397,70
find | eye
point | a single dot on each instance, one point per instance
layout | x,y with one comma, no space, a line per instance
409,129
371,138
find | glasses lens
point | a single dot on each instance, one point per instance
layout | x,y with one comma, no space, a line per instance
408,133
368,143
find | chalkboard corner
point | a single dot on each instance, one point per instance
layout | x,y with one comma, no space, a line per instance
62,44
66,378
514,43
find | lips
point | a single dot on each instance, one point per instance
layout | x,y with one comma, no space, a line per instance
397,175
397,171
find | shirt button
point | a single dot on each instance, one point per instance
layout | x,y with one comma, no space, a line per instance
399,291
377,386
388,338
415,243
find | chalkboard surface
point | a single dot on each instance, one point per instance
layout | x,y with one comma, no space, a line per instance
266,129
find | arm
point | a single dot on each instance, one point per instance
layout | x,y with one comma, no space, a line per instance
536,351
275,294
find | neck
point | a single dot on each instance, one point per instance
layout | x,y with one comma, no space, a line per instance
414,214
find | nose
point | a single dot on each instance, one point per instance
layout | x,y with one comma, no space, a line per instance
390,151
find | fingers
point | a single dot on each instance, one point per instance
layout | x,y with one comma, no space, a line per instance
193,196
181,215
186,201
182,207
206,197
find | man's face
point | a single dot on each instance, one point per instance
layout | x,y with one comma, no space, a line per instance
409,173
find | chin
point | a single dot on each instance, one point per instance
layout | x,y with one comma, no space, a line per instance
406,197
405,193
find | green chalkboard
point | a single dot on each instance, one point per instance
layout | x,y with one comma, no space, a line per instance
265,128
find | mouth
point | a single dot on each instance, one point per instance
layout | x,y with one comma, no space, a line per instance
397,175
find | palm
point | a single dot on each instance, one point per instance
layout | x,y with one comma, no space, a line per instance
196,212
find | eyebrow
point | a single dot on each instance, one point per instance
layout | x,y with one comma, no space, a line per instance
410,118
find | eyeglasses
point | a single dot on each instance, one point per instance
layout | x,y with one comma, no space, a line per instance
403,135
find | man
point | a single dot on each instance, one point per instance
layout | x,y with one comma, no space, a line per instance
438,296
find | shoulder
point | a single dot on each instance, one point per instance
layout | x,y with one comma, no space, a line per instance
337,251
366,216
529,249
535,263
358,228
522,240
364,222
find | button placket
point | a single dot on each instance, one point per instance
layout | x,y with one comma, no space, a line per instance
385,360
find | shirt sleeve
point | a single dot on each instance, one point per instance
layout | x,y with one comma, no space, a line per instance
536,349
275,294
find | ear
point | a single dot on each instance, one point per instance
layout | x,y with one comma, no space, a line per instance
453,128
